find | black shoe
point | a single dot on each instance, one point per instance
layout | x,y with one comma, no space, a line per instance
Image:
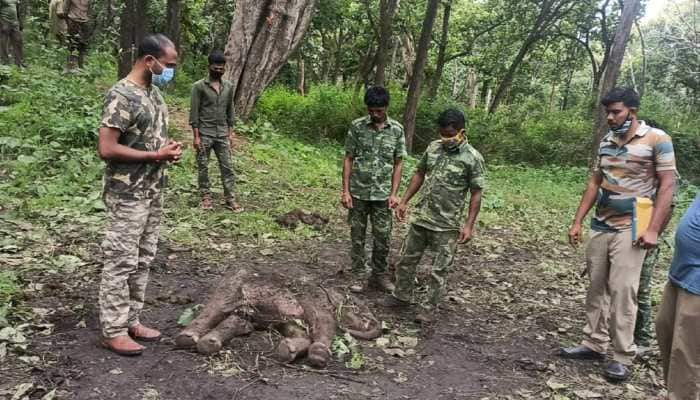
580,353
380,282
394,302
617,372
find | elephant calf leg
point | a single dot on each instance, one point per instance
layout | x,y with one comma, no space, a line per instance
227,329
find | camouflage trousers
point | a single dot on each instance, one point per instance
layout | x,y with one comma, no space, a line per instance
643,327
78,35
129,247
380,216
222,149
444,244
11,42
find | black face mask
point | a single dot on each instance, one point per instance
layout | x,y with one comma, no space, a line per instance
215,74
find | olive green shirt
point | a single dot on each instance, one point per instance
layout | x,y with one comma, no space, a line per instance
8,13
448,178
210,111
373,155
77,10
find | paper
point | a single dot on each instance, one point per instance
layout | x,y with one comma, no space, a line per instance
641,216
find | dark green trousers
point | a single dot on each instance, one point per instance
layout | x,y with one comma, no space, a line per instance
643,327
222,149
379,214
444,244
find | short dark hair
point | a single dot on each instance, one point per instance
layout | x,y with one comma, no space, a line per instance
153,45
452,117
377,96
628,96
216,57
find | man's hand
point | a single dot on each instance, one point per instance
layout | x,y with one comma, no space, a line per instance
197,143
465,235
346,200
231,137
402,212
575,234
393,202
648,240
171,152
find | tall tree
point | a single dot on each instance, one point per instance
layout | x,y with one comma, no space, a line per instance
442,49
612,71
387,9
414,88
263,36
549,13
173,25
134,25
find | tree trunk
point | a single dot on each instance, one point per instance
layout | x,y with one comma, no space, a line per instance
472,88
409,56
507,80
442,47
134,26
302,75
643,72
414,89
455,80
386,17
263,35
489,93
612,70
173,27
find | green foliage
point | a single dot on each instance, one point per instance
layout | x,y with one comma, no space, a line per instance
8,288
325,113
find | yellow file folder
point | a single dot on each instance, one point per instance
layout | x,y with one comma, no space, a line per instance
641,216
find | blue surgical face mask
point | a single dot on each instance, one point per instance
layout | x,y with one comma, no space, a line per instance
164,77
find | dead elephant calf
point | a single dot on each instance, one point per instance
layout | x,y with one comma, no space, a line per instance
304,314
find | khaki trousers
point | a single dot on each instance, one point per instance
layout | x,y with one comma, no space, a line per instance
614,266
678,334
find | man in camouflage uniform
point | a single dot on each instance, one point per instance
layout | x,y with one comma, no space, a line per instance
11,33
450,168
374,150
643,325
212,118
134,143
76,14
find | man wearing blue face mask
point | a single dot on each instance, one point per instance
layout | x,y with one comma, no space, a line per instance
134,143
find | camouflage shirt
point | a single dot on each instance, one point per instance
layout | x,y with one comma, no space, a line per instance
373,155
142,117
449,176
629,171
8,13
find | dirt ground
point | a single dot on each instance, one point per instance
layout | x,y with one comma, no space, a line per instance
513,301
508,310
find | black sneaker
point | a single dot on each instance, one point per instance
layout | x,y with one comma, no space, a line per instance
394,302
617,372
580,353
380,282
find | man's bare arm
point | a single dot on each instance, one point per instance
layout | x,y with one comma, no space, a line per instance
110,149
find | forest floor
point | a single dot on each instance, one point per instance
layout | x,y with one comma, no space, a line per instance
515,296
